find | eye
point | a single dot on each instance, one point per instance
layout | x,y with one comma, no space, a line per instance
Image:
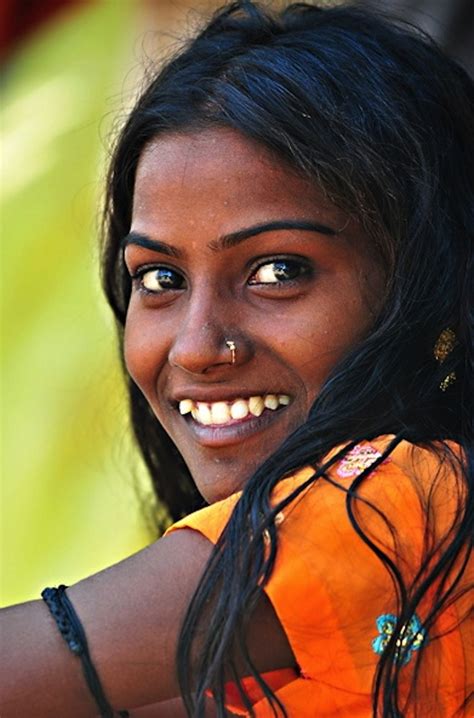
159,279
278,271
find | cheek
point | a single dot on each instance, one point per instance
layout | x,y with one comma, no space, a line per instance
144,352
319,334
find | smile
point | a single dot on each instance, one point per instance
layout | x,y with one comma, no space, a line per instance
228,413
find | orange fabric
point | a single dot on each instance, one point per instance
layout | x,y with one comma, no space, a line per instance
328,588
274,679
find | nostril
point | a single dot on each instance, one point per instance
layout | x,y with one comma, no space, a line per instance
200,349
199,355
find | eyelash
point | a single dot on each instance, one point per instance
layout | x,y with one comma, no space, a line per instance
302,265
137,277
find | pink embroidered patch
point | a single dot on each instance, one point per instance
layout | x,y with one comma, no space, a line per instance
357,460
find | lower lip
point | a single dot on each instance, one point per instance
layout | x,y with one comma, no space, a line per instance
228,434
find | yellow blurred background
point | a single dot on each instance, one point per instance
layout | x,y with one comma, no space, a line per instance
72,482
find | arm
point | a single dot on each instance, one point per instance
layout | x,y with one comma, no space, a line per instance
132,615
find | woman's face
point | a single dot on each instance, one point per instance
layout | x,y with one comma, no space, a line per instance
229,244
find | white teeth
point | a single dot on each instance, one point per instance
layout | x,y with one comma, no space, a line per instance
203,413
220,412
239,409
256,405
271,402
186,406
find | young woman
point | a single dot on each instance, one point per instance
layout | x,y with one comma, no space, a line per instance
288,255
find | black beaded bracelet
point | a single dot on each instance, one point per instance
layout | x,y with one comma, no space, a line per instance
73,633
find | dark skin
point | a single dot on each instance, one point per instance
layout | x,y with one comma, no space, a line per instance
294,299
132,639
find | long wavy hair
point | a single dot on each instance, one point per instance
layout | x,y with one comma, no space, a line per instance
380,119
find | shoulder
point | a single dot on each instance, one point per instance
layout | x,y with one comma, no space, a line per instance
329,587
400,482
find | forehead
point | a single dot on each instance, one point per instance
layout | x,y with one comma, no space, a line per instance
217,172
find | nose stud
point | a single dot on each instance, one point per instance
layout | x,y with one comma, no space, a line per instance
233,350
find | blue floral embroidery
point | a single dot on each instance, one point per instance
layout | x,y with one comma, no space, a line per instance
412,637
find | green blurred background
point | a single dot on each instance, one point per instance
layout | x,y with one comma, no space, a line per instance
72,485
69,504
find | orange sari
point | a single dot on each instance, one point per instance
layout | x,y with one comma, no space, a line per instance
336,601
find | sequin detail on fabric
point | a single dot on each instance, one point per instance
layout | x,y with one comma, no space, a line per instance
412,637
357,460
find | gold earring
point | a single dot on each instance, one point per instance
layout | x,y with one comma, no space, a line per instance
442,349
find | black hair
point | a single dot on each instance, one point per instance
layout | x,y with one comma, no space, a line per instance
380,119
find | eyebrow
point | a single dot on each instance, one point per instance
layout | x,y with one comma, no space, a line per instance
154,244
227,241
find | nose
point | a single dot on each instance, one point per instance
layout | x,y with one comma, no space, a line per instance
208,340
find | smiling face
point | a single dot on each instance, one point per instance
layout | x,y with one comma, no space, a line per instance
229,245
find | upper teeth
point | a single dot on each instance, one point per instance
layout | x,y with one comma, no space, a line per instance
220,412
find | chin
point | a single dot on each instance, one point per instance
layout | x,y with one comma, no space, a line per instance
222,483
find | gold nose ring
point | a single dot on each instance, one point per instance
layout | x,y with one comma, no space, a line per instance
233,350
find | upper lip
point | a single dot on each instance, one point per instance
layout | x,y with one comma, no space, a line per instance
219,394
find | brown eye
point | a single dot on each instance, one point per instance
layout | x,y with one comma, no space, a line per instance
160,279
278,271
